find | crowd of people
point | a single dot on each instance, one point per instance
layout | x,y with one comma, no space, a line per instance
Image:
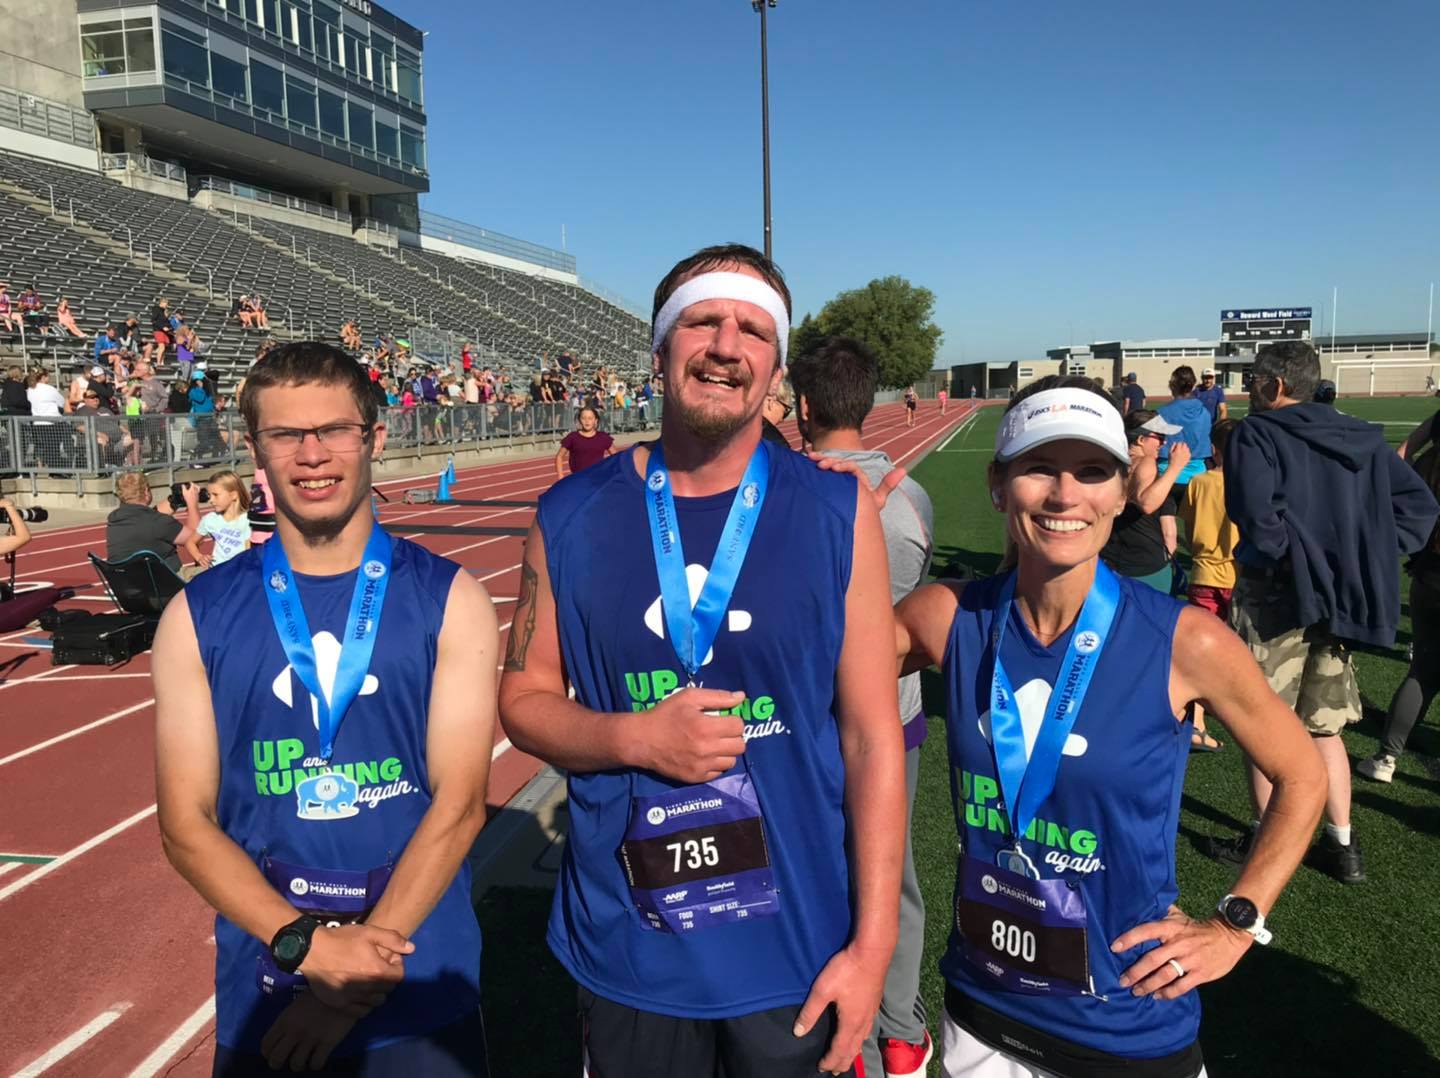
738,892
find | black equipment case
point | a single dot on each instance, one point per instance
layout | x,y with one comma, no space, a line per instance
101,639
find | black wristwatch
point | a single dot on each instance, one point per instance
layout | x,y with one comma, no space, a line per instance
292,943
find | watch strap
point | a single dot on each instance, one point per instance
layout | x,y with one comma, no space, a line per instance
1258,930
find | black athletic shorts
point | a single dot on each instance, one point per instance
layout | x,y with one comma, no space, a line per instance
621,1042
453,1051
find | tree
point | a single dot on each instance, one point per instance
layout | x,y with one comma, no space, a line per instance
891,316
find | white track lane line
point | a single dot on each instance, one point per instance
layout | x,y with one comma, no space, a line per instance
79,851
170,1047
68,734
76,1040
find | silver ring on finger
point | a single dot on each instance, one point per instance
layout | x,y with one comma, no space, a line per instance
1179,969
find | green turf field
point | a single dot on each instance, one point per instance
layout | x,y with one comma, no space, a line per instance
1351,984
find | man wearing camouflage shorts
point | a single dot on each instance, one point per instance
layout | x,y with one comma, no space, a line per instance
1325,509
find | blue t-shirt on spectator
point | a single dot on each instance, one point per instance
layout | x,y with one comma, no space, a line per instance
1134,395
1211,398
103,344
1190,416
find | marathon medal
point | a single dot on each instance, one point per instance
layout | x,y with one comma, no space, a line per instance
362,626
696,856
1027,932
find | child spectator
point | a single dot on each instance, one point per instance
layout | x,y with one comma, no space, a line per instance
1213,538
66,318
228,526
160,337
8,315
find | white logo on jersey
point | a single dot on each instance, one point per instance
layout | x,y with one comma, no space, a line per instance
1032,699
327,661
737,621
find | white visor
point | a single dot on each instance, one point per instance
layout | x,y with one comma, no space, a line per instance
1159,425
1057,414
723,285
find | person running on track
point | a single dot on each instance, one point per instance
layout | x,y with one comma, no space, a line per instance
1069,955
944,398
321,792
705,904
912,402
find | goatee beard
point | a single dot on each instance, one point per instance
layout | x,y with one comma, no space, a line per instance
709,426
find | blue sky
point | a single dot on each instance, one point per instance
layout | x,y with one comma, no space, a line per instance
1052,170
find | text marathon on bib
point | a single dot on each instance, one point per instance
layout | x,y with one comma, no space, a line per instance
648,688
1070,849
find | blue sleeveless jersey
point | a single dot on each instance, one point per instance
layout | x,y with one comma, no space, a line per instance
780,644
1110,824
265,719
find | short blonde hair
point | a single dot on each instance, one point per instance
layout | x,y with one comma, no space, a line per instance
132,488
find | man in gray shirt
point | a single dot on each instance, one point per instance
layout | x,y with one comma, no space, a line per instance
834,389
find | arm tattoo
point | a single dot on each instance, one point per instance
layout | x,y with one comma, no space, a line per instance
523,628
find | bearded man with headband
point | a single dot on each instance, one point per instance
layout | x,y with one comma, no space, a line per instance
725,721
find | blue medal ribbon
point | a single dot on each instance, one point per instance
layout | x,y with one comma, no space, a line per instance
362,626
1026,786
693,631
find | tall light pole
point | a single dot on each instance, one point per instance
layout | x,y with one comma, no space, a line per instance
760,6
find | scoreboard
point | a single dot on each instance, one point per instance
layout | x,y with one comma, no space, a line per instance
1265,324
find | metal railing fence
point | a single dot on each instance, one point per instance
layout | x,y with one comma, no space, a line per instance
139,162
87,446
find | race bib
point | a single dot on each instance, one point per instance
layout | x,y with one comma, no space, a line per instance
1030,935
332,896
696,857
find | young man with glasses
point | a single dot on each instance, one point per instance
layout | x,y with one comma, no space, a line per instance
321,791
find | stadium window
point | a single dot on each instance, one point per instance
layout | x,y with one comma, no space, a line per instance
252,10
407,70
185,58
300,102
102,49
412,147
1025,372
362,131
302,34
267,88
139,45
270,10
228,77
387,139
326,20
332,114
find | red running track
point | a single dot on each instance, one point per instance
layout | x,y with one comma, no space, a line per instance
109,952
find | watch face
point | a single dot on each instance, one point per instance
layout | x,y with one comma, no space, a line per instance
288,946
1241,913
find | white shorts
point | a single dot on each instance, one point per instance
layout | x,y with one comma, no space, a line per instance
963,1055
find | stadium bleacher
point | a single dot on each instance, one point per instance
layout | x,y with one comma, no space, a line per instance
311,281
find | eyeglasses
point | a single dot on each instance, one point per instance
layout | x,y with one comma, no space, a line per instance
92,396
336,437
1152,434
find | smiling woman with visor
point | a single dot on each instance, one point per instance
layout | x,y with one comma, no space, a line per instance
1068,735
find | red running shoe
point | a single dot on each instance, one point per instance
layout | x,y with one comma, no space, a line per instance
902,1059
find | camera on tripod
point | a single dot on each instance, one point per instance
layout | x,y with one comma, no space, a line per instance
177,495
35,514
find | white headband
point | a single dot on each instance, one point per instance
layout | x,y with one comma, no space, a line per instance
723,285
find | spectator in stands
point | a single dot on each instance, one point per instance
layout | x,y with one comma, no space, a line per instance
13,400
66,318
257,307
107,349
184,352
130,343
32,309
467,358
8,314
429,387
78,384
380,390
101,385
1132,395
54,443
350,338
471,387
160,338
202,415
112,441
133,405
139,525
